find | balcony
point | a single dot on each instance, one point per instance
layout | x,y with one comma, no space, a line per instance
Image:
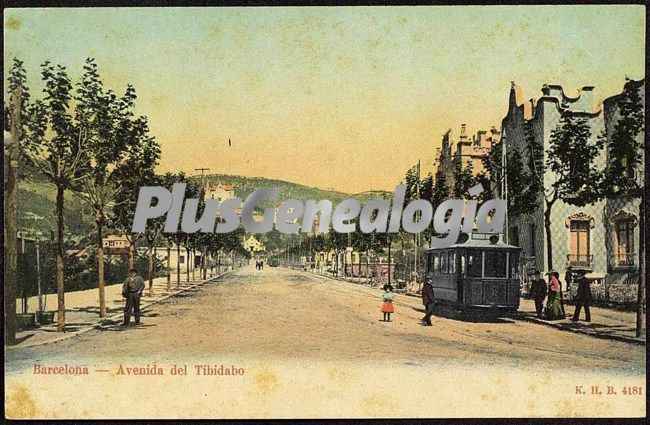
580,261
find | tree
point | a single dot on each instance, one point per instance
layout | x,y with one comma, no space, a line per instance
624,172
11,202
118,145
53,142
463,179
571,158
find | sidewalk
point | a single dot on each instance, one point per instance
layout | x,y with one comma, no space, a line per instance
605,323
82,308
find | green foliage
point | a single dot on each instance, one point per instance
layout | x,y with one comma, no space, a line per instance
625,147
571,158
463,179
244,186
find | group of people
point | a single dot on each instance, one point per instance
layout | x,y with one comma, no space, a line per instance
552,292
540,290
388,296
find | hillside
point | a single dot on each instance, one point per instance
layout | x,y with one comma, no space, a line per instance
38,198
288,190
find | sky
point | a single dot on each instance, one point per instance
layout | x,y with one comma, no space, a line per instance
346,98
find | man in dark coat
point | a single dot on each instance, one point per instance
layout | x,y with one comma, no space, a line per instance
429,301
132,291
538,291
583,297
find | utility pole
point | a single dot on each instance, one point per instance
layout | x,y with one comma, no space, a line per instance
11,222
417,235
504,183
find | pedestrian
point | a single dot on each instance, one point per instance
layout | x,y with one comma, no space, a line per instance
132,291
387,306
583,297
538,291
568,278
554,307
429,302
557,276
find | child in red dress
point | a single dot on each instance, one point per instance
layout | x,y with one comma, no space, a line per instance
387,305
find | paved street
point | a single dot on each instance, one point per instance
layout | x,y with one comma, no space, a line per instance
310,346
279,313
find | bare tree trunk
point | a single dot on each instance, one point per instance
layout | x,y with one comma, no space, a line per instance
150,267
640,301
131,254
11,224
169,268
99,221
178,265
59,266
187,268
193,265
203,269
549,241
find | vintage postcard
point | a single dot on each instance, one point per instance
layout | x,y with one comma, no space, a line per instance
324,212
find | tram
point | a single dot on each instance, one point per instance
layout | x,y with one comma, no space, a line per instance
479,271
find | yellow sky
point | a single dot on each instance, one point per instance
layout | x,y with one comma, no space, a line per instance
347,98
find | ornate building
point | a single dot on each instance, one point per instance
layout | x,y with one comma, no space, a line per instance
598,238
463,150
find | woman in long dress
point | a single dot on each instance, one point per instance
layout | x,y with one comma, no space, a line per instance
554,310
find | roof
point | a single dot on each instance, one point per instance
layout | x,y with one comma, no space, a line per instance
115,237
479,243
223,186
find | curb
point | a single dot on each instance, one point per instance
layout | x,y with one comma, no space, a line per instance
558,326
67,335
561,327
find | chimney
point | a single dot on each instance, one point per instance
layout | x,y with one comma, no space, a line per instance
463,132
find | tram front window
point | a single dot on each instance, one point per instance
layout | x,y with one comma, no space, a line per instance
474,264
495,264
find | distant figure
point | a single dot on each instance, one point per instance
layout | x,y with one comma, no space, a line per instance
429,302
387,306
583,297
132,291
538,291
554,308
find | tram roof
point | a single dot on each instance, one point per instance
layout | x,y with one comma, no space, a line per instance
478,243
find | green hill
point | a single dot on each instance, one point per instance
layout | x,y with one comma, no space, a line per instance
37,198
244,186
36,209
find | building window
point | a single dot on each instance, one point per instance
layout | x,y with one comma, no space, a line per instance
181,259
624,242
579,250
111,243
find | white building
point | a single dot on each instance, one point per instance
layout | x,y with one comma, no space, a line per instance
219,191
598,238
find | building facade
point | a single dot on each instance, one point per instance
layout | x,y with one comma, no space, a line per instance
461,151
591,237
